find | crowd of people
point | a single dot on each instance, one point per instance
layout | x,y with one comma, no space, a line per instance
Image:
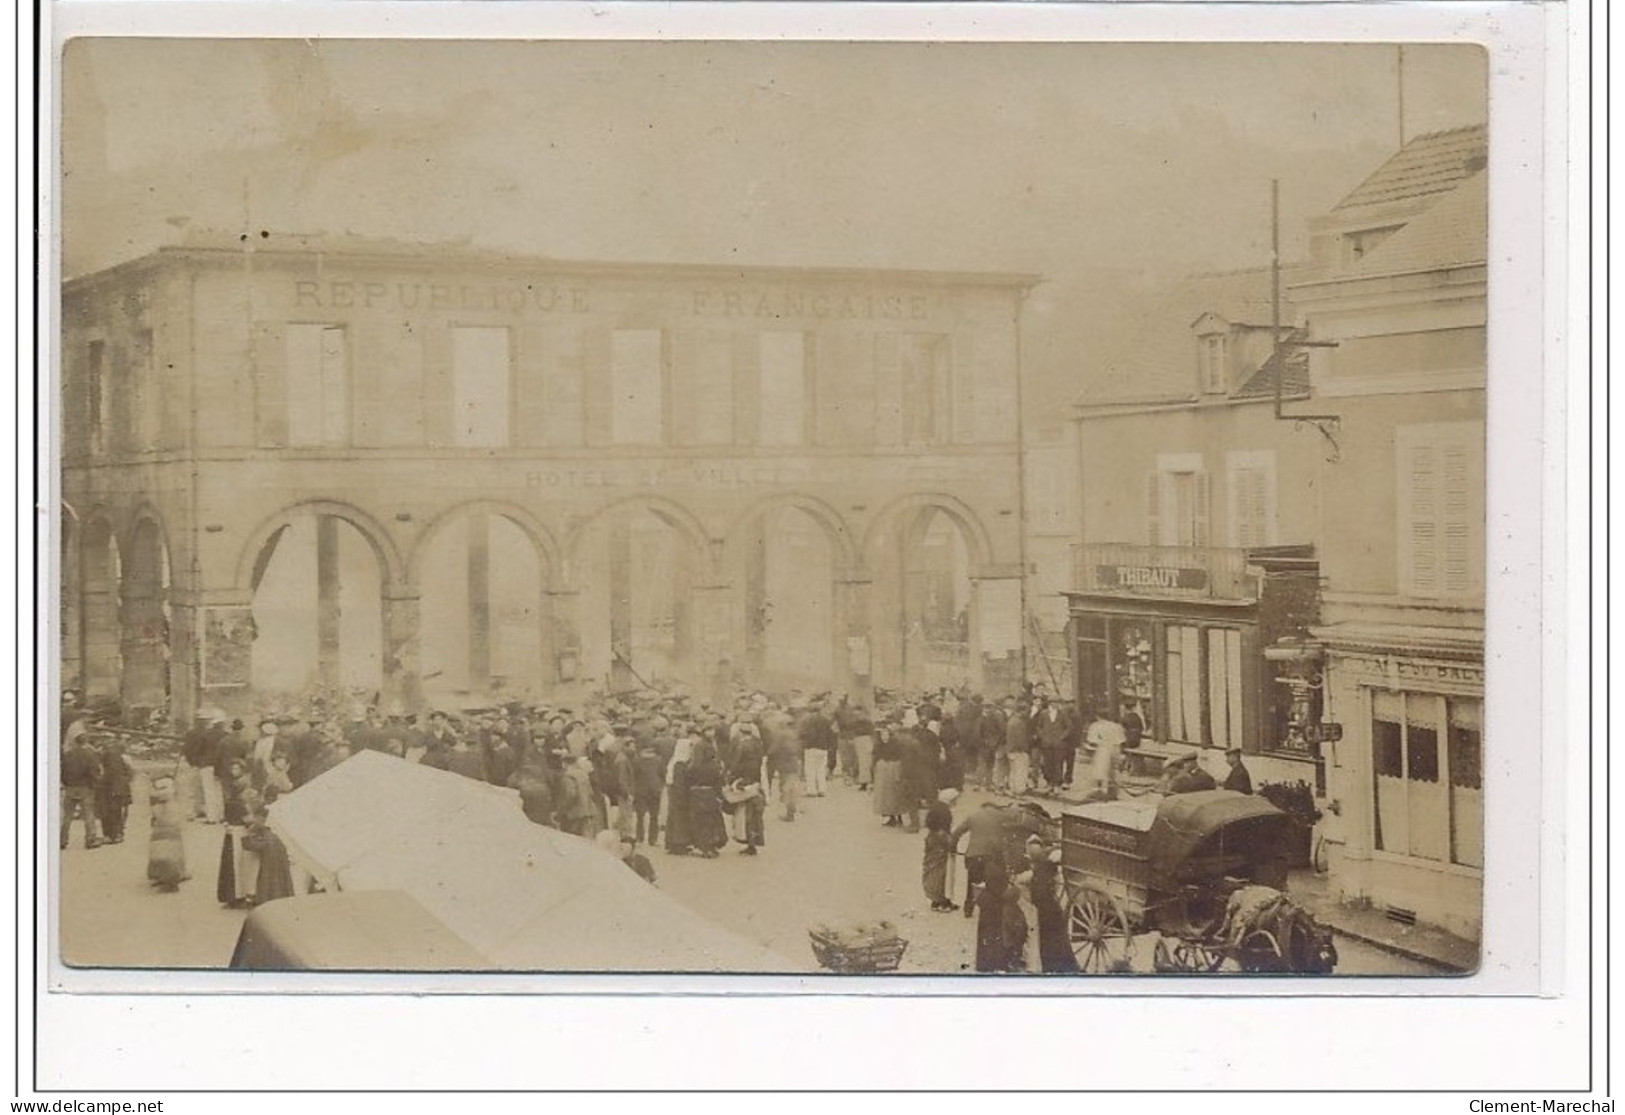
661,770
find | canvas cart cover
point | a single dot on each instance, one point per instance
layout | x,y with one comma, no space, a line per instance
524,896
1185,821
359,931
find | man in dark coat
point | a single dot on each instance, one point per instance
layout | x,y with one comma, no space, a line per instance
81,771
1238,779
1186,776
746,770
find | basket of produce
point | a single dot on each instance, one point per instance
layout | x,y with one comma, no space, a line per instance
869,947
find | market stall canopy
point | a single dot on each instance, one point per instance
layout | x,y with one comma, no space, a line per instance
352,931
523,896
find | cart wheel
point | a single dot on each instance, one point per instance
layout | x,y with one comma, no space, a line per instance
1099,933
1260,952
1194,956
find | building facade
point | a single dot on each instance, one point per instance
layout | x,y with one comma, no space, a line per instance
1317,562
1401,309
1200,509
428,472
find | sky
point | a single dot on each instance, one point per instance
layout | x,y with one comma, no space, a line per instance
1108,169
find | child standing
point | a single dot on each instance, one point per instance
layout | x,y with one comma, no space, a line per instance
166,854
939,846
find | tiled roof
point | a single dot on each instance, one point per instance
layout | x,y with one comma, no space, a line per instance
1429,164
1158,363
1453,232
1294,384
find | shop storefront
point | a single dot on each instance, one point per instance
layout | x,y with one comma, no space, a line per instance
1408,774
1178,636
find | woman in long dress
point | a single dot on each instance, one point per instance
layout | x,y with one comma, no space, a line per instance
708,833
239,865
274,879
679,829
889,801
1043,883
992,953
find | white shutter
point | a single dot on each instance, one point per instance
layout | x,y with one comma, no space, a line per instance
1455,526
1421,475
1200,488
335,388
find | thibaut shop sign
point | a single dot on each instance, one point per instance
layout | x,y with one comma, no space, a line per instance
1150,577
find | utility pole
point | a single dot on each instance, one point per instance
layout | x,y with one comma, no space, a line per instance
1402,96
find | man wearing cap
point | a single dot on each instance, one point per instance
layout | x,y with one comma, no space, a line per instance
1238,779
1185,775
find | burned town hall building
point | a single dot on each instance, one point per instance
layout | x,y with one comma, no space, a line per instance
424,472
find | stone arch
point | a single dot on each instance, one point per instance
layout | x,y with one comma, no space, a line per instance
146,534
391,567
100,548
842,540
477,648
144,611
908,511
674,514
547,547
101,632
69,601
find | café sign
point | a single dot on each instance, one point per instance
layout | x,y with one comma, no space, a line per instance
1153,577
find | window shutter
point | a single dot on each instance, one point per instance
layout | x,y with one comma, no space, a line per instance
942,407
271,387
1153,509
1423,541
335,387
1456,569
1252,506
1200,486
888,391
437,416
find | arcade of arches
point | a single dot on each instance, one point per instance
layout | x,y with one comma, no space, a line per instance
486,600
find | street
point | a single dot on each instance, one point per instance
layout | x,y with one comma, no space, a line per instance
836,863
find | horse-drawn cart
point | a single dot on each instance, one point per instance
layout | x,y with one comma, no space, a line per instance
1206,871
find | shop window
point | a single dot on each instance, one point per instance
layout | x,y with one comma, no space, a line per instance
637,386
1465,756
1093,665
317,385
1224,688
782,419
1441,501
1184,683
1427,769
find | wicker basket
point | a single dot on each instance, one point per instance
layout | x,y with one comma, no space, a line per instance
873,953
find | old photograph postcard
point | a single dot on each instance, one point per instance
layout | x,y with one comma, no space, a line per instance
741,507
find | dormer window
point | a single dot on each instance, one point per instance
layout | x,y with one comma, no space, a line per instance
1212,359
1212,353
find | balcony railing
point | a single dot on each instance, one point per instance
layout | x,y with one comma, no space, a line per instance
1209,573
